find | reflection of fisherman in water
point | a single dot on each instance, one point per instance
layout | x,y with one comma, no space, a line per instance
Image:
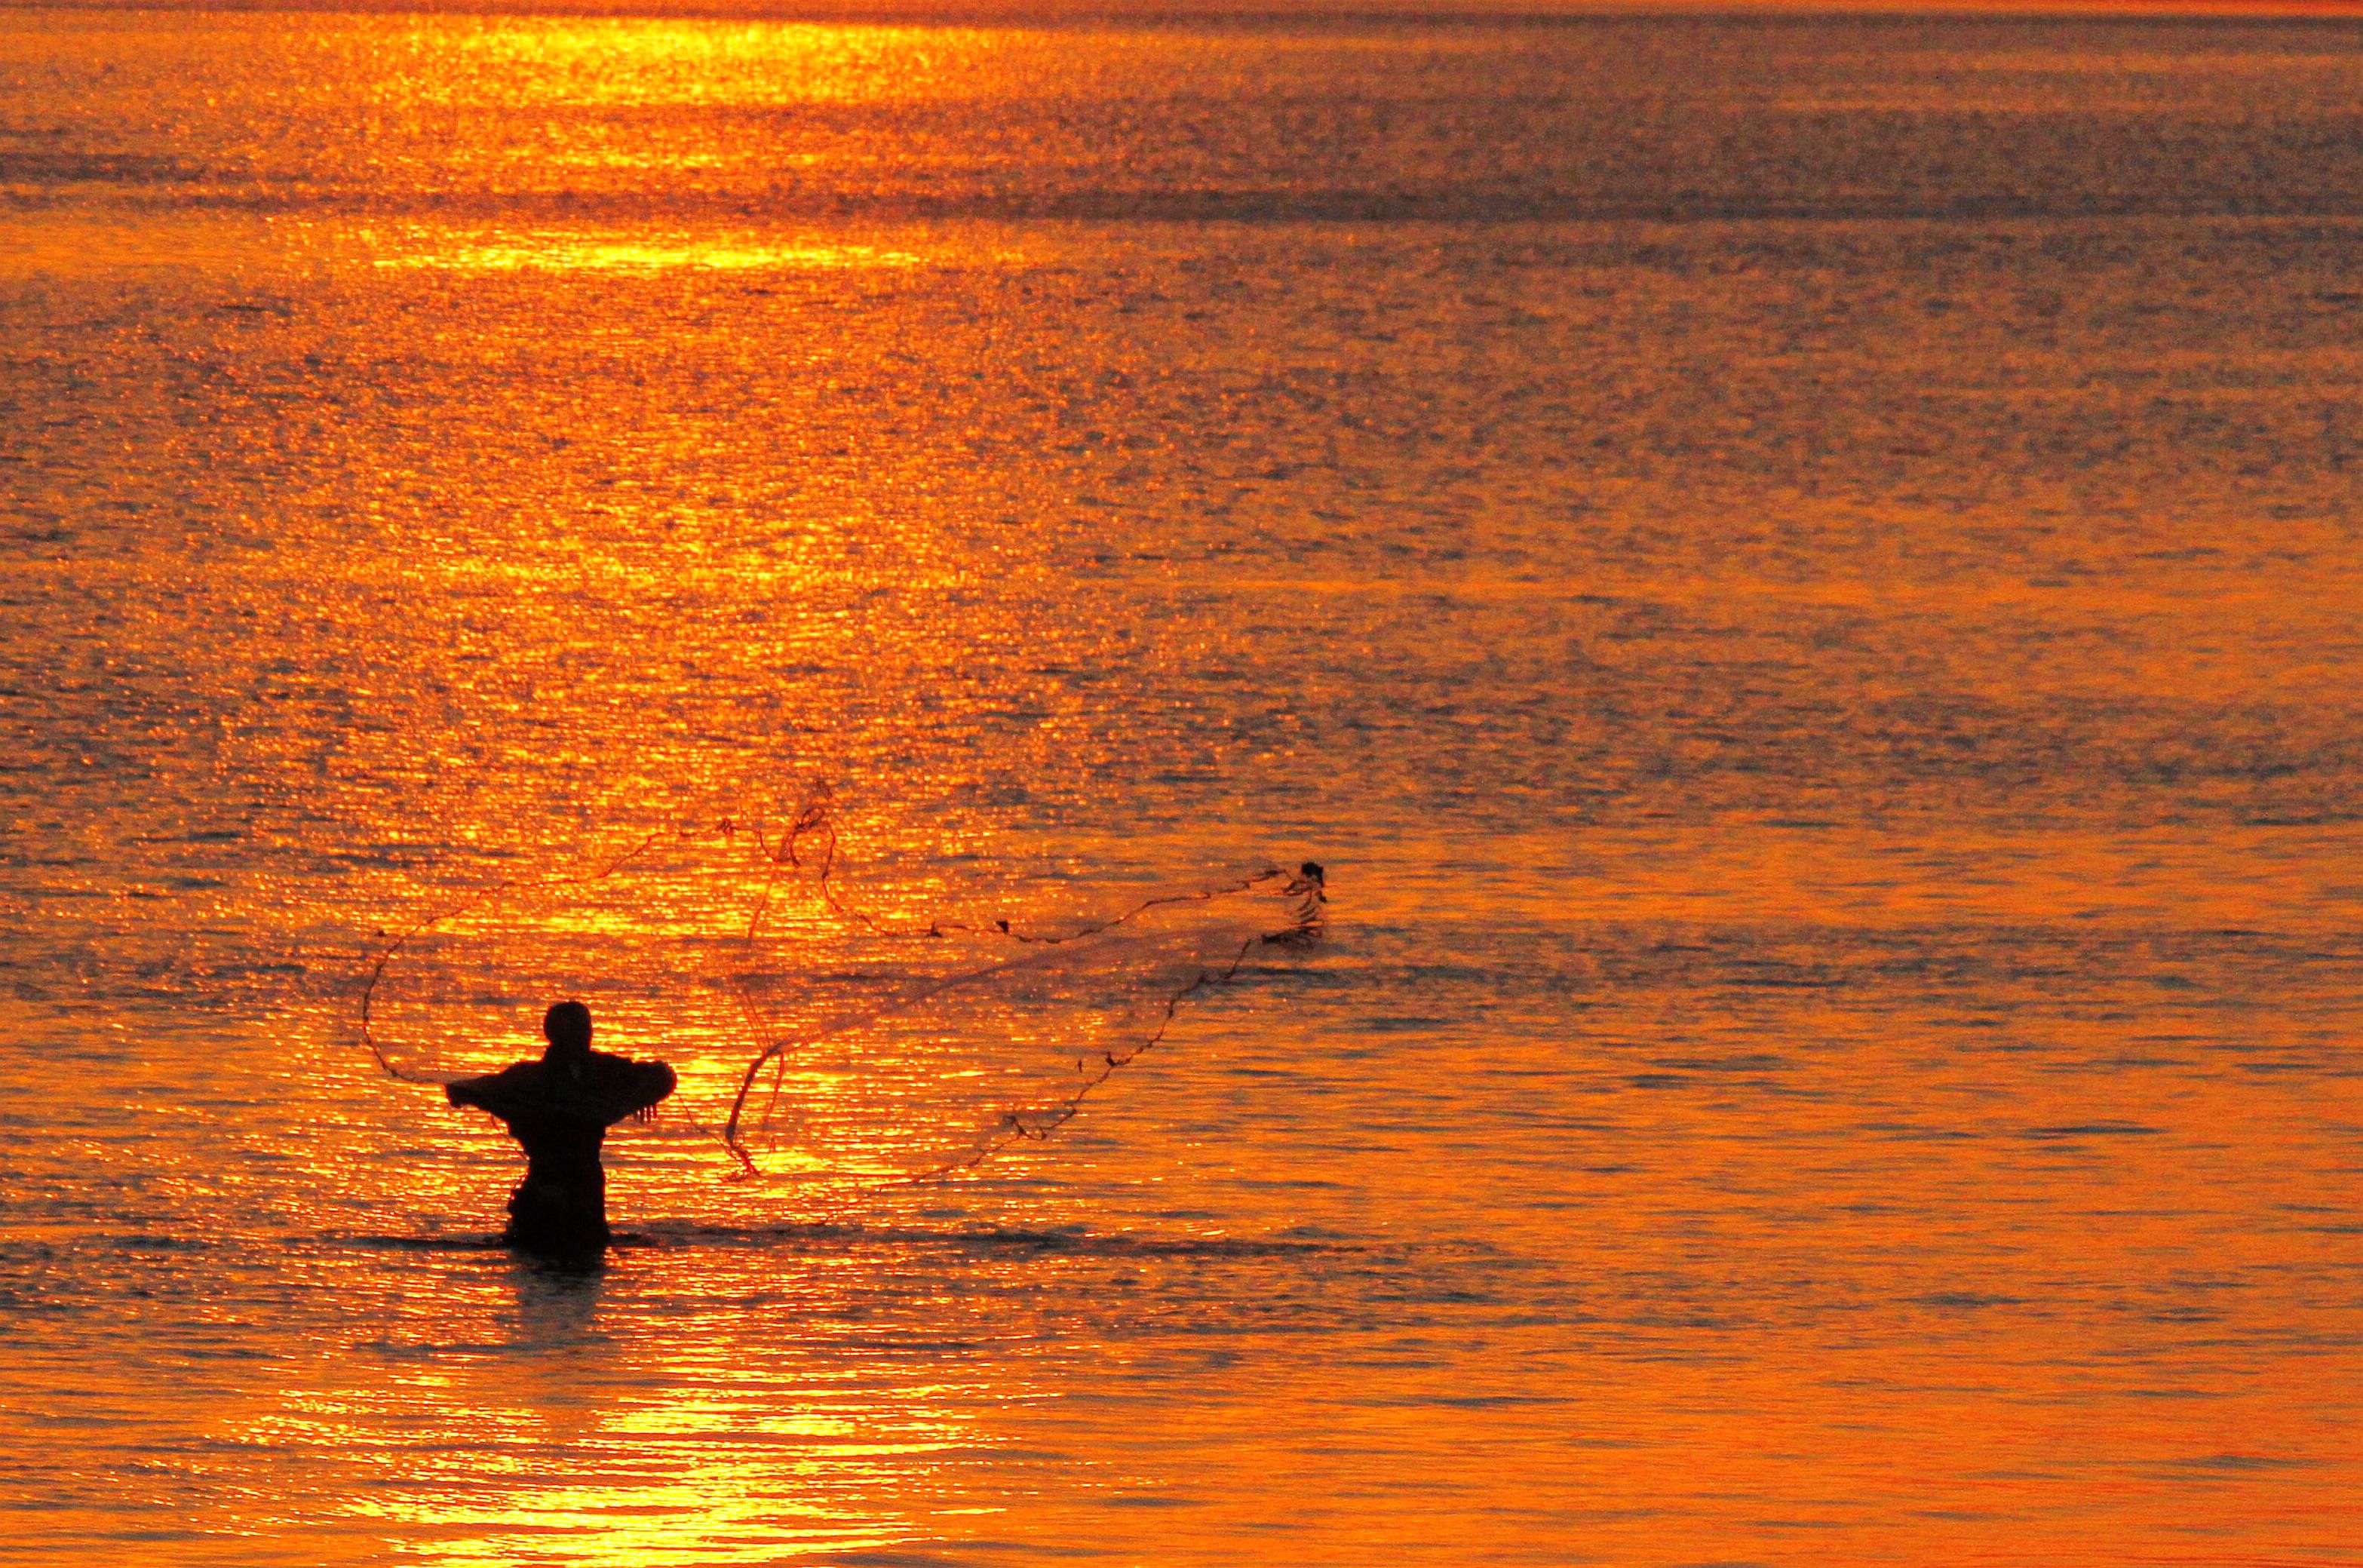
559,1108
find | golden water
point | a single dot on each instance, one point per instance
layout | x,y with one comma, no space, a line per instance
1801,576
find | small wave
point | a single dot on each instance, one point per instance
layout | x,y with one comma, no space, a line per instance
992,1239
424,1243
686,1236
1966,1299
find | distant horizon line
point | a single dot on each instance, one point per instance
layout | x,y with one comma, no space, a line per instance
1479,13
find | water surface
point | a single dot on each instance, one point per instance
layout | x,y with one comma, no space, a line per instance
1800,576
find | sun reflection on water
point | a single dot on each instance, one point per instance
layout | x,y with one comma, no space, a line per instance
641,60
577,250
591,1416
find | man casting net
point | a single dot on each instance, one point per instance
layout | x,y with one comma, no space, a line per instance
892,1033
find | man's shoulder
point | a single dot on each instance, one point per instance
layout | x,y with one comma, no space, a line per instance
640,1083
608,1061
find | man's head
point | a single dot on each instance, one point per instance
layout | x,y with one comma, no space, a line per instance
567,1027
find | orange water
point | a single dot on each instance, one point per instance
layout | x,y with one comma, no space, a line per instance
1801,577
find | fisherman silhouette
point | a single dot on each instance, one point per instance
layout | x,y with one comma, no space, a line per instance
559,1108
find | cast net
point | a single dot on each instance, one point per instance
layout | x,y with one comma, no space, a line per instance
825,1024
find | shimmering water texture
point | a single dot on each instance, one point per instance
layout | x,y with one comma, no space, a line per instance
1800,576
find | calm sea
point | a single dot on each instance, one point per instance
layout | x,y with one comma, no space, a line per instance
1802,577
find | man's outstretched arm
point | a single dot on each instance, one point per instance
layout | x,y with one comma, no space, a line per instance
646,1083
497,1093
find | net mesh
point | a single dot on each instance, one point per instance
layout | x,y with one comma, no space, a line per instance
822,1029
